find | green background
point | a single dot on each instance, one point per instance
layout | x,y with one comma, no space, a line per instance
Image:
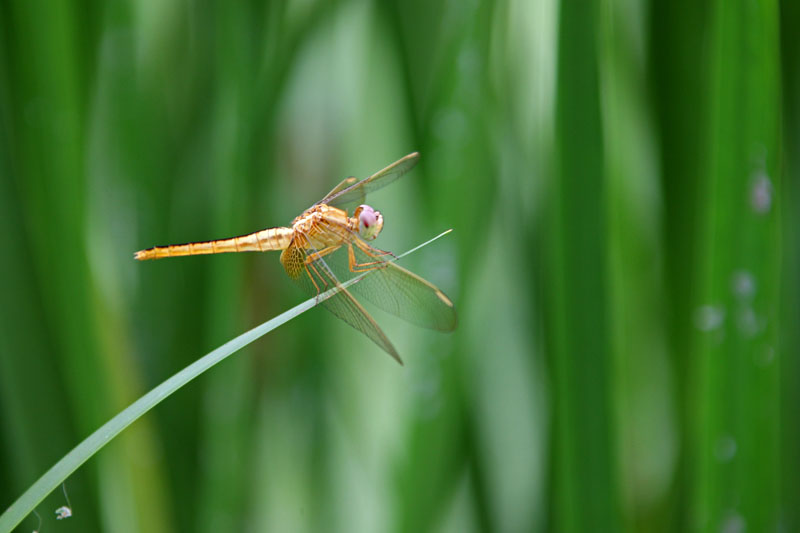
622,179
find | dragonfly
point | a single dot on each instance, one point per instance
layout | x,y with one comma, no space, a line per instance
325,247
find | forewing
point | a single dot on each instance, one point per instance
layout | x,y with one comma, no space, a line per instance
316,278
395,289
345,183
355,194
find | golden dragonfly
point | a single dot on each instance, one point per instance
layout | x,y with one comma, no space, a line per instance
325,246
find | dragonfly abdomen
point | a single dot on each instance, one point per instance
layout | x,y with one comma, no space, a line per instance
260,241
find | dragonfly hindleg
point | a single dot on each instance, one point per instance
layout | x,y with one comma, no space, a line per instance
308,269
310,266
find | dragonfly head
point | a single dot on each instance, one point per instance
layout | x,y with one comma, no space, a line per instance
370,222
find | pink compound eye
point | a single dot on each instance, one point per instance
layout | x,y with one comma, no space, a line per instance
367,216
370,222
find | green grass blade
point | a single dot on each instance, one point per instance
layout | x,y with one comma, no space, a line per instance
737,427
788,335
584,495
94,442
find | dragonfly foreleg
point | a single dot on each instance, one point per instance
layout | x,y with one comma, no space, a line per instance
371,250
355,266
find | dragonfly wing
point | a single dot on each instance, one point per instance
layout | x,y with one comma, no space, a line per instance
315,277
395,289
355,193
347,182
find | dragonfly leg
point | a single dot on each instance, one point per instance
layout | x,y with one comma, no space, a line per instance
371,250
309,263
355,266
310,258
312,277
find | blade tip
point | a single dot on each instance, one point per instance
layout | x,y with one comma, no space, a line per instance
395,355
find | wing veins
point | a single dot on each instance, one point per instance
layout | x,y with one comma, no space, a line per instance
341,197
345,307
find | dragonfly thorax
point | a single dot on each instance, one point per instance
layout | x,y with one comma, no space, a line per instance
306,222
323,225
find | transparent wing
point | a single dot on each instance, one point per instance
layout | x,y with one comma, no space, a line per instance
391,287
350,194
347,182
315,277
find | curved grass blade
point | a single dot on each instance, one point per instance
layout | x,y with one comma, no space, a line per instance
59,472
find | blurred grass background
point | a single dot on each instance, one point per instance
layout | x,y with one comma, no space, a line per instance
622,177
